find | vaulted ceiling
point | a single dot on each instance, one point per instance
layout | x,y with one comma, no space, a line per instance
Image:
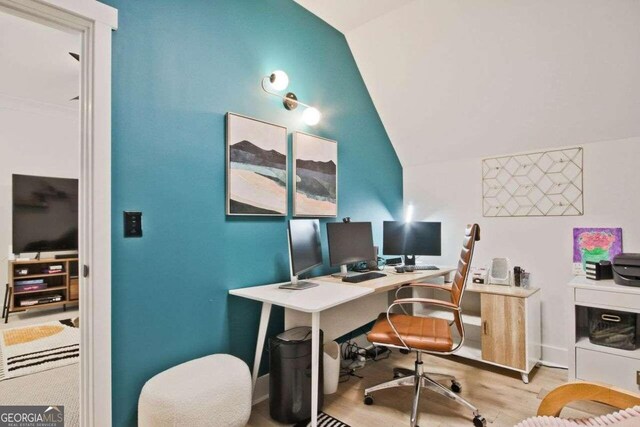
473,78
346,15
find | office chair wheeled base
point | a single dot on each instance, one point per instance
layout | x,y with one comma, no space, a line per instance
418,379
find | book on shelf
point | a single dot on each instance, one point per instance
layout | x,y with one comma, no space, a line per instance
31,287
26,302
28,282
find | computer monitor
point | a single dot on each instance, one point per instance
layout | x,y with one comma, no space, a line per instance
411,239
305,250
349,242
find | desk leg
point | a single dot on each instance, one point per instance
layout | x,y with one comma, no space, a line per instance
448,278
262,333
315,366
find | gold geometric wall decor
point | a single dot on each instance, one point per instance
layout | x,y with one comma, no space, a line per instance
548,183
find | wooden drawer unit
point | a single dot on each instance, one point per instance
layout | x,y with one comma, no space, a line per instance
504,330
608,368
501,324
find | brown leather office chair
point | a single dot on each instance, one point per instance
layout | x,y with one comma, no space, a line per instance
427,334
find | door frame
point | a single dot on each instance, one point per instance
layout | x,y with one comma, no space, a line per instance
95,22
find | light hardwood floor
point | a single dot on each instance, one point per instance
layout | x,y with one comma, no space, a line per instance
501,396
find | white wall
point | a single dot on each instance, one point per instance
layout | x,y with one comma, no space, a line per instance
484,76
35,139
451,192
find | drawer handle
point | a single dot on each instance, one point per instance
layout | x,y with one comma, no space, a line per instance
638,377
610,318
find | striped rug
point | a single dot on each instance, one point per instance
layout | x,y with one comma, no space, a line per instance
29,349
324,420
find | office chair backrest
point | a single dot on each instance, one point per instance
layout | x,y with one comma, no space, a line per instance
471,236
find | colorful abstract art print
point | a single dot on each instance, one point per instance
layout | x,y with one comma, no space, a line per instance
594,244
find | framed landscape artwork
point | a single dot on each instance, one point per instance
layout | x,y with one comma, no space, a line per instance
315,173
256,167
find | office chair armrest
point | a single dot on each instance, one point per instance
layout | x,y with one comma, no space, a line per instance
426,301
443,287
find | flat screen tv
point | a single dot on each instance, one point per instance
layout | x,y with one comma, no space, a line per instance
45,214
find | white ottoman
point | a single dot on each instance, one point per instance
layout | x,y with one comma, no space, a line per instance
210,391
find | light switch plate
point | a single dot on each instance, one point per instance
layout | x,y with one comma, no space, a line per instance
132,224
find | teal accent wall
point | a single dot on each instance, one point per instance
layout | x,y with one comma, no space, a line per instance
178,67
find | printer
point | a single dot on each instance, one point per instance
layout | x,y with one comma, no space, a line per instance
626,269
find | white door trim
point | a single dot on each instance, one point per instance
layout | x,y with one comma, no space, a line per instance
95,22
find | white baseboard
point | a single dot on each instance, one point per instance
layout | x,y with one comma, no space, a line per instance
554,356
261,391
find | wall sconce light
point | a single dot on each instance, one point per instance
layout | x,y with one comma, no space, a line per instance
278,80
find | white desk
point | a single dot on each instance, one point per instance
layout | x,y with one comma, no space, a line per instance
331,293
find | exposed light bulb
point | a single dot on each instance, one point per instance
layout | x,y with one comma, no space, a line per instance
408,217
311,116
279,80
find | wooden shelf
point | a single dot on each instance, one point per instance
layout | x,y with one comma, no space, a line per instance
43,261
55,288
39,276
64,284
49,304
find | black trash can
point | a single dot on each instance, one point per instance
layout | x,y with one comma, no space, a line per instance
290,376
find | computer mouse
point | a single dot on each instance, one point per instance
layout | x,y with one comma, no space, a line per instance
400,269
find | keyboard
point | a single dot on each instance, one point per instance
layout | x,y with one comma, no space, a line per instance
357,278
425,267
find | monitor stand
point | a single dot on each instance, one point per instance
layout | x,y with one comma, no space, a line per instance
409,260
344,272
298,285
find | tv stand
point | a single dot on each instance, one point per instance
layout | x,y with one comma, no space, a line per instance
62,285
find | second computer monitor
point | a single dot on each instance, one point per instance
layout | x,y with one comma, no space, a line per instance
304,245
349,242
412,238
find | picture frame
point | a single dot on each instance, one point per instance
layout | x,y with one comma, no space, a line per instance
257,168
315,176
595,244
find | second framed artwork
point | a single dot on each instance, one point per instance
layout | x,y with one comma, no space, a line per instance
315,176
